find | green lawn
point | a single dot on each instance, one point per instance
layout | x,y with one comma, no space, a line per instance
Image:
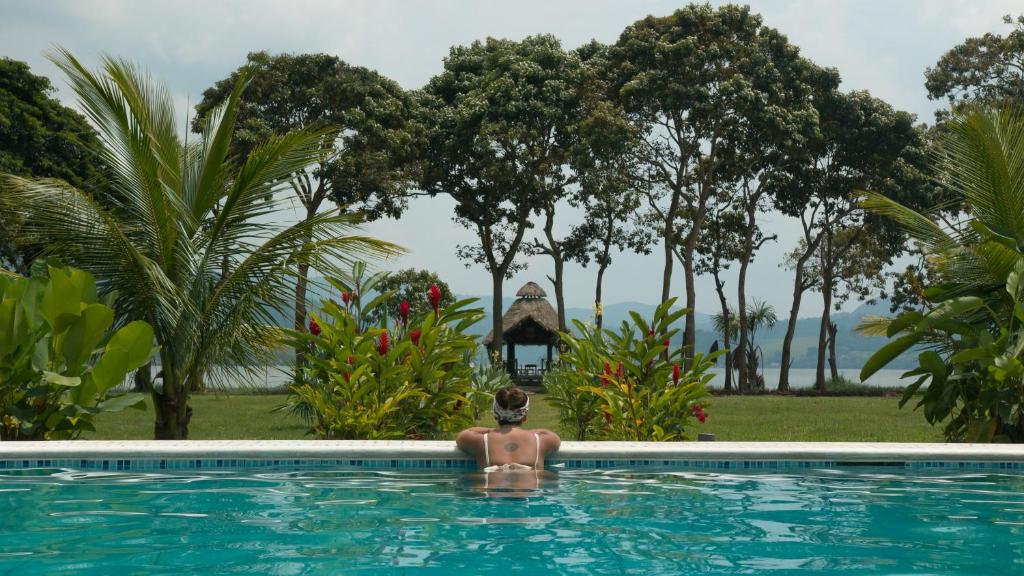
754,418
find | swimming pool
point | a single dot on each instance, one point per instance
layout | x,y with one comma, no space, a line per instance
823,515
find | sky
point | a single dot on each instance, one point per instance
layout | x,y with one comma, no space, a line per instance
882,46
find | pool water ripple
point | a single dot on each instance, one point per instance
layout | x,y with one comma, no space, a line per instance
849,521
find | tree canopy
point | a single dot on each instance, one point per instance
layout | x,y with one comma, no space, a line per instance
39,137
369,166
987,68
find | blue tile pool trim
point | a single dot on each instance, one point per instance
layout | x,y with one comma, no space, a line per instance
163,464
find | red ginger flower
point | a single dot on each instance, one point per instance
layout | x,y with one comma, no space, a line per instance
382,344
434,294
666,342
345,297
314,327
620,372
415,337
403,311
698,411
606,376
675,374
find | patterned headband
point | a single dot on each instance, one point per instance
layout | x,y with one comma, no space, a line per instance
510,414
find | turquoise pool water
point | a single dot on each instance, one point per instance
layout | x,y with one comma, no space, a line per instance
846,520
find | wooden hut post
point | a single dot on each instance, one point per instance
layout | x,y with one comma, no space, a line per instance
510,357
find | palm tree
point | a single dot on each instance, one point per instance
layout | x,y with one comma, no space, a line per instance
972,330
759,314
183,233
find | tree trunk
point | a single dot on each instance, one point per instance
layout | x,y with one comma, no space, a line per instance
555,250
666,275
826,320
690,330
720,289
833,332
825,258
745,379
300,299
787,342
599,320
171,405
794,311
497,276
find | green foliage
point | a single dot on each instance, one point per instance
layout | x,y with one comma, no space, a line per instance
579,410
412,285
184,233
368,166
58,357
985,69
487,380
972,330
402,381
631,373
39,137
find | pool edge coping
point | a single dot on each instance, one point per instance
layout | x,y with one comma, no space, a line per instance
446,450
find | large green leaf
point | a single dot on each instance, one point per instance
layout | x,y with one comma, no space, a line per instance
129,348
887,354
84,335
62,300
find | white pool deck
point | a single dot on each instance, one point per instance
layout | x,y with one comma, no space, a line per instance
320,449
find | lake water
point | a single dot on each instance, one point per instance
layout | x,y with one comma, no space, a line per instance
271,377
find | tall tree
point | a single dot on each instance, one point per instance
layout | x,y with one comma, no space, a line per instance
367,167
39,137
166,214
862,144
719,247
988,69
695,84
499,119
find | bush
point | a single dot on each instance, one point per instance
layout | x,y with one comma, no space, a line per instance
487,380
406,381
58,357
636,381
579,409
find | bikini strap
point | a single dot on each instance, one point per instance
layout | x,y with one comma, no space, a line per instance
536,460
487,450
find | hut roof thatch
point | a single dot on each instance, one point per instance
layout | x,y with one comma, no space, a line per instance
530,319
531,290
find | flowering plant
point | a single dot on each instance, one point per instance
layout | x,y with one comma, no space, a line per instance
634,387
379,382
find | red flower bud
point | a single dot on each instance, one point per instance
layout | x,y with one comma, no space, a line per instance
382,343
403,311
606,376
675,373
698,411
415,337
434,294
345,297
620,372
666,343
350,359
314,327
650,333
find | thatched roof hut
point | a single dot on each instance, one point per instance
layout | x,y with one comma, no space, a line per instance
531,320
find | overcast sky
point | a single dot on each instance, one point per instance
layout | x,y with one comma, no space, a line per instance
878,45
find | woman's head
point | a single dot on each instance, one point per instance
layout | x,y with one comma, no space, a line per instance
511,406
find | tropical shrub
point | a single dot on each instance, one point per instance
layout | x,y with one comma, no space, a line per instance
579,410
59,358
405,380
971,330
488,378
641,390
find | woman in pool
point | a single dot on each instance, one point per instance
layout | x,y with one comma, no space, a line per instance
510,457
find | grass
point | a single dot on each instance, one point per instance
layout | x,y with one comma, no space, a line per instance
739,418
